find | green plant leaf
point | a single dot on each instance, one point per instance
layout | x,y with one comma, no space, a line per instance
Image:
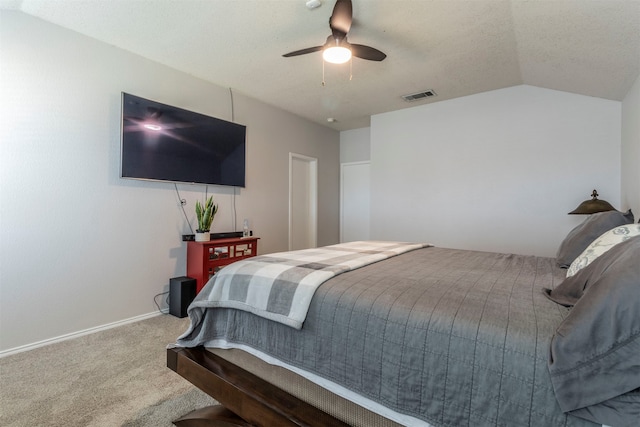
205,214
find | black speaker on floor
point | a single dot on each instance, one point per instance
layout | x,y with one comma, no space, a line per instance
182,290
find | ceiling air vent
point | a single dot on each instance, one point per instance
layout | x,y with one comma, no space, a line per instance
420,95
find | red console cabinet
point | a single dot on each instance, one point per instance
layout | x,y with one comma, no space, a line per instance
204,259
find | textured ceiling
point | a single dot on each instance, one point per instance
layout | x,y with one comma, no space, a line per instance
455,47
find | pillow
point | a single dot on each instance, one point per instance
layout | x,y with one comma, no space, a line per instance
572,288
581,236
595,351
603,244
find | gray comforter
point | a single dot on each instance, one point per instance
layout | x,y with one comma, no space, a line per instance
456,338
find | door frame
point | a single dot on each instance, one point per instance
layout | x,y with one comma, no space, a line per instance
313,197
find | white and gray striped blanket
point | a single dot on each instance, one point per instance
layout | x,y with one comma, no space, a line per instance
279,286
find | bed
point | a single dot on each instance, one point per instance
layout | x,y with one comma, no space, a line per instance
426,336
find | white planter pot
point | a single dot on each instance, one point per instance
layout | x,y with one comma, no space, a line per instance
203,237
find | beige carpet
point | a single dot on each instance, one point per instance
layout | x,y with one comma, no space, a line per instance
116,377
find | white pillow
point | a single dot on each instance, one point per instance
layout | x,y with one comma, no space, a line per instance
602,244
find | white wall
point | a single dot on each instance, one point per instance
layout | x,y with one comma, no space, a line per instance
496,171
631,150
80,247
355,145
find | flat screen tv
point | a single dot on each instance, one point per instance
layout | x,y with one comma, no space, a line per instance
165,143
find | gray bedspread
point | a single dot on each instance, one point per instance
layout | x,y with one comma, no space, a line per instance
280,286
455,338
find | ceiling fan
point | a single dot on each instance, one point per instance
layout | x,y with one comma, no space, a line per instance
337,49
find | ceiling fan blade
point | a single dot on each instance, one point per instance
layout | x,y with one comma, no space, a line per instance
303,51
340,21
367,52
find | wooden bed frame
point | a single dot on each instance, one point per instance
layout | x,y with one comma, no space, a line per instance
245,399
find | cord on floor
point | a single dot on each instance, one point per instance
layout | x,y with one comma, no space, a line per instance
166,300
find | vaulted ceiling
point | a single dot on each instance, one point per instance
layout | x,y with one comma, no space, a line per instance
453,47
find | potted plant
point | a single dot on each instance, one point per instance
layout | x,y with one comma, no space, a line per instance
205,216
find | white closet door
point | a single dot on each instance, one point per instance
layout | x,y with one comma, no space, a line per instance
354,201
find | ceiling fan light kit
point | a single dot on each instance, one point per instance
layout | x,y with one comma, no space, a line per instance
336,54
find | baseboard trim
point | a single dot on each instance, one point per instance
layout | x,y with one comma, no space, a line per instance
78,334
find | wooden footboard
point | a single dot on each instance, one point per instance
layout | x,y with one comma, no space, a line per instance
251,398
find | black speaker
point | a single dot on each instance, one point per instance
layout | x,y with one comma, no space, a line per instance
182,290
226,235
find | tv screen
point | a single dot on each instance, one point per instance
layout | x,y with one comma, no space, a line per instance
165,143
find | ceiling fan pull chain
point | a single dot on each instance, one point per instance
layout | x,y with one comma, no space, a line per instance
323,72
351,69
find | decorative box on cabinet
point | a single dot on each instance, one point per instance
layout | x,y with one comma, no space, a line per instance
204,259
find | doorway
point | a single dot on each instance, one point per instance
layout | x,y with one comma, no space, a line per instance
303,199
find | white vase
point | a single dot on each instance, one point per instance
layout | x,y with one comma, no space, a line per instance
203,237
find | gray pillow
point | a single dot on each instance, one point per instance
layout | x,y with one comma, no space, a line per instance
574,287
595,352
593,227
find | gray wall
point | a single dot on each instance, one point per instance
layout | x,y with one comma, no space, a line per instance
81,248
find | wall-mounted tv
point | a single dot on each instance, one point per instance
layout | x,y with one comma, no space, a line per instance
164,143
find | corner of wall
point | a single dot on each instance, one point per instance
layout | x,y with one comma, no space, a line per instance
630,150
